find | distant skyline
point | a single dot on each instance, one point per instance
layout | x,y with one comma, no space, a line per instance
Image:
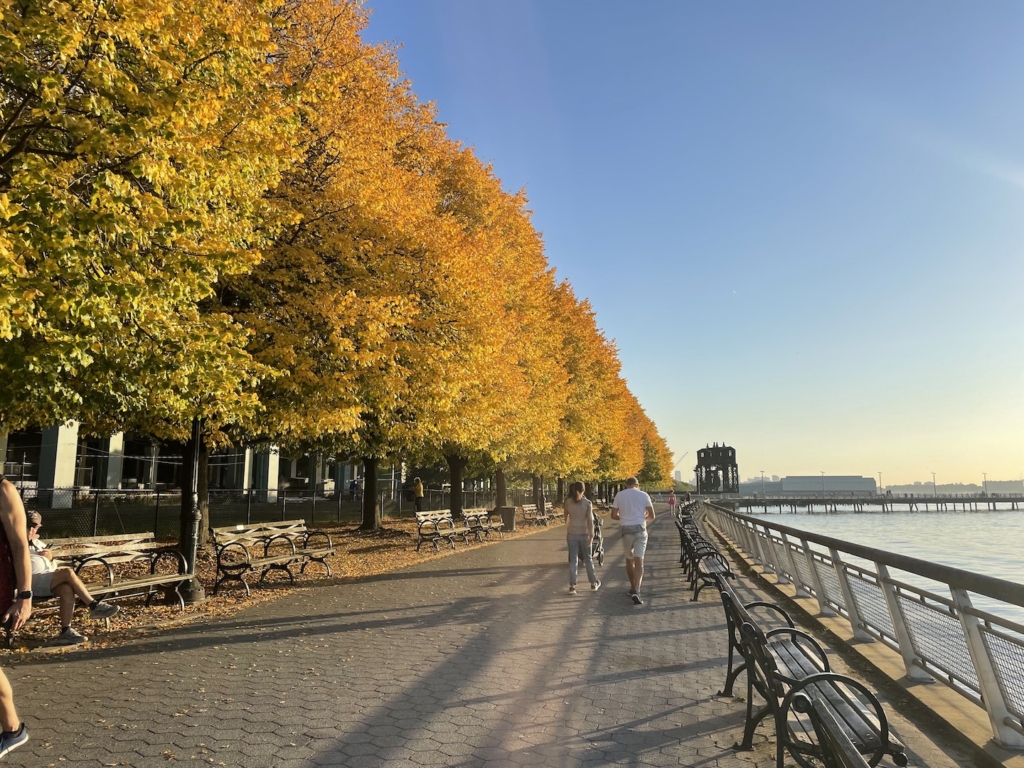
801,223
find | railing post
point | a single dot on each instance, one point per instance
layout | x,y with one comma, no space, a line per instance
856,624
774,566
96,514
819,587
899,624
801,590
991,692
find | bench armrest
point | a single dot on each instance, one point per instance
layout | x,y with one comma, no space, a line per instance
269,542
317,535
92,560
777,609
799,637
174,554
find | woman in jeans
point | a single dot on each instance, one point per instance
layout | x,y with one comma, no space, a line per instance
579,535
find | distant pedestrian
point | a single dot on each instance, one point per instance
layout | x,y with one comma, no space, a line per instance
634,509
352,486
579,535
672,502
417,493
15,600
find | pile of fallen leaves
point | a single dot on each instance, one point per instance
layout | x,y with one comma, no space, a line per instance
359,554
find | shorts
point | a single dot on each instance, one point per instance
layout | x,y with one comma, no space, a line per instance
41,584
634,541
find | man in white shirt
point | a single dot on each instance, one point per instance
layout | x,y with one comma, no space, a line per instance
633,508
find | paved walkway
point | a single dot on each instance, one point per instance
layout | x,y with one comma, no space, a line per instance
479,659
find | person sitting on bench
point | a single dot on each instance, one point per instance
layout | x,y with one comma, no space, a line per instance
50,580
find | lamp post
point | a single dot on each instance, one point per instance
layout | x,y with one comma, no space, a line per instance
935,490
984,484
822,483
879,483
762,482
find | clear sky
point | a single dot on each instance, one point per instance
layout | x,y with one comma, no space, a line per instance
801,222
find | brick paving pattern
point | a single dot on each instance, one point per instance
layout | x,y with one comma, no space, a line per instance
479,659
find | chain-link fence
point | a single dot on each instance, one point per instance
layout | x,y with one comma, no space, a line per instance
69,512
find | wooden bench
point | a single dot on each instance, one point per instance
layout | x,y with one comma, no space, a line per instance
786,661
533,516
837,750
279,546
118,567
436,526
703,563
483,522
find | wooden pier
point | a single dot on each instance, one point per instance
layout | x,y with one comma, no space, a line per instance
881,503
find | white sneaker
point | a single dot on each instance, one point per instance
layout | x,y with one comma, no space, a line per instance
572,590
69,636
103,610
595,586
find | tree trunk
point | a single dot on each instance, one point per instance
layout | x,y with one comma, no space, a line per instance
371,509
502,490
560,493
456,464
537,493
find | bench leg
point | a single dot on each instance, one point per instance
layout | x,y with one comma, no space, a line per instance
276,567
321,560
227,577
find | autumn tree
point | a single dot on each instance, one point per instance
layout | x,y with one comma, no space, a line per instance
137,141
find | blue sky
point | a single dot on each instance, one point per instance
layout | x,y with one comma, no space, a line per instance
802,223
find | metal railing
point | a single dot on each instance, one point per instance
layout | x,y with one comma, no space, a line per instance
944,637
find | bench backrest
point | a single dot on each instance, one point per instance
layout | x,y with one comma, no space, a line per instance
433,516
258,533
529,509
113,549
750,638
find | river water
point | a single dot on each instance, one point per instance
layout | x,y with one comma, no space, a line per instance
982,541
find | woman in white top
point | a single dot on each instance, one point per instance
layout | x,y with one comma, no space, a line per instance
579,535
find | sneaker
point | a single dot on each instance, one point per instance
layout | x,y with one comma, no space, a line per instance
572,589
69,636
595,586
103,610
11,740
631,593
637,600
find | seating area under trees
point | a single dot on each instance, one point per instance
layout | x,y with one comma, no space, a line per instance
232,222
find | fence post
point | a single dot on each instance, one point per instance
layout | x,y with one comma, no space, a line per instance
339,506
819,587
312,512
156,516
248,506
794,574
96,514
284,504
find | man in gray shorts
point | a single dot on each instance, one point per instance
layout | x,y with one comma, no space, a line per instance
633,508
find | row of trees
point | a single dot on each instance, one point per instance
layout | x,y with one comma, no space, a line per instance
237,213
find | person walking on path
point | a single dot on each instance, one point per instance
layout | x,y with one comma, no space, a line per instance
49,580
417,493
15,600
634,509
579,535
672,502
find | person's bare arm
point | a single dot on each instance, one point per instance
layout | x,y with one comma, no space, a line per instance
649,513
12,515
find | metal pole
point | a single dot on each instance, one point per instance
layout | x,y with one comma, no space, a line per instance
284,503
194,590
762,486
339,505
248,506
156,516
935,490
312,513
96,514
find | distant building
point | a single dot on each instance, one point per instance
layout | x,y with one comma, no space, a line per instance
811,485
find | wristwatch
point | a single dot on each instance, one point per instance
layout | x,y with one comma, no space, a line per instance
26,595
